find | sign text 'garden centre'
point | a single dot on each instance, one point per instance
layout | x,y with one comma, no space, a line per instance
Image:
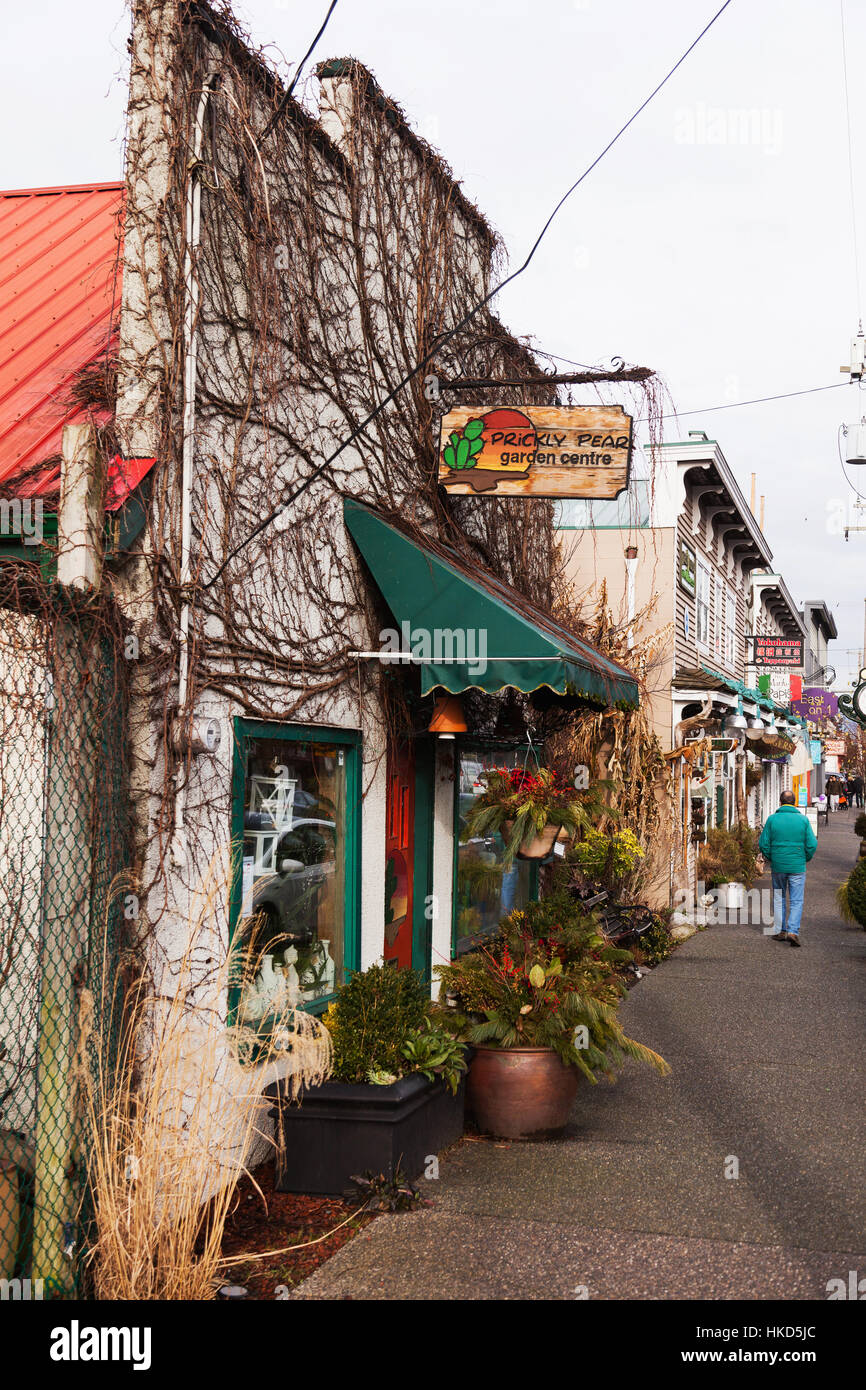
536,451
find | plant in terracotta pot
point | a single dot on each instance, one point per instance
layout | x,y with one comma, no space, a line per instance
531,810
539,1004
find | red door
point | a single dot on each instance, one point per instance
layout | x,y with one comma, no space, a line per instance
399,855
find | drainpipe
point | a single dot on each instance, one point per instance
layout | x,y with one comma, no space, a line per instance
631,572
193,228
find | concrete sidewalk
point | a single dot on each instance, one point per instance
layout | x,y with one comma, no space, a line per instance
767,1049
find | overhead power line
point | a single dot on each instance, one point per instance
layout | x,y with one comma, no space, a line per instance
467,318
756,400
286,97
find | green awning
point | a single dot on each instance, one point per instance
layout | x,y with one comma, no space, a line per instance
469,630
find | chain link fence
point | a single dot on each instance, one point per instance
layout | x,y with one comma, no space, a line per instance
63,900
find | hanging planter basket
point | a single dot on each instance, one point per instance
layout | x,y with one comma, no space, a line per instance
540,846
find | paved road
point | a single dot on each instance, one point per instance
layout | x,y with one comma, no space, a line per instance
767,1049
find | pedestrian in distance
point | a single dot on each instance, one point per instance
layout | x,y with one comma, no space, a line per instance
857,789
787,843
834,788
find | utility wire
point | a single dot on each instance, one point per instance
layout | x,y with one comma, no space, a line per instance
467,318
757,400
287,94
851,165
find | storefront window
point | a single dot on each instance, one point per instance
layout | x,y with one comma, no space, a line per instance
485,890
296,866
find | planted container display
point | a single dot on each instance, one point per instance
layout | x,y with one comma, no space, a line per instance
539,1005
531,810
395,1095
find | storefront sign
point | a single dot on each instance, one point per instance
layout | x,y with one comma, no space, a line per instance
775,651
815,749
817,704
687,568
835,747
780,687
537,451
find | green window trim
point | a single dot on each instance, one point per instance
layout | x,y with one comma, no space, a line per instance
244,730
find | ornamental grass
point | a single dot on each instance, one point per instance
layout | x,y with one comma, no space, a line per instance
172,1126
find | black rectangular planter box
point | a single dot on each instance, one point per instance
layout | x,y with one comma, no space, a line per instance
339,1130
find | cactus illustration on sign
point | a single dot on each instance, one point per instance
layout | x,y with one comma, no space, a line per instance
462,449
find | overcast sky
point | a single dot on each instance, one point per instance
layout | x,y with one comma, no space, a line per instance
714,243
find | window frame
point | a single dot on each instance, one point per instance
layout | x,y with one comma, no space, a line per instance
703,571
246,730
730,627
487,745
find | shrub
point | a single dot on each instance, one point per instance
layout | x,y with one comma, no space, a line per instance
851,897
607,858
860,825
747,839
374,1014
656,943
720,859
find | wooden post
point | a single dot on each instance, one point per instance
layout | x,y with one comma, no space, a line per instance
81,514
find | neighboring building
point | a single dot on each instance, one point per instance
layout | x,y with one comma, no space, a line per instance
820,627
686,565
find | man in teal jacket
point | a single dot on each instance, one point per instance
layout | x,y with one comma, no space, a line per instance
787,843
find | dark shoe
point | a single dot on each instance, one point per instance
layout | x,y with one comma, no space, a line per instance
779,936
794,939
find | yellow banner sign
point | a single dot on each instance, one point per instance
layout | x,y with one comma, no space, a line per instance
536,451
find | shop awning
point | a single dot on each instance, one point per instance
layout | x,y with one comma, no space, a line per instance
469,630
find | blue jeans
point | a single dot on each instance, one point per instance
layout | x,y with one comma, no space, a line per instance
786,916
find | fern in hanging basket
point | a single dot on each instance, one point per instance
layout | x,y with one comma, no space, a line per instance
526,808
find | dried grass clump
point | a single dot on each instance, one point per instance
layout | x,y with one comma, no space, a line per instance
171,1129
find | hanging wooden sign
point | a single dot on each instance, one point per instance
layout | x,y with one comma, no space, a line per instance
536,451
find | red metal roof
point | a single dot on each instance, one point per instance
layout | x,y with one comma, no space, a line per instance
59,302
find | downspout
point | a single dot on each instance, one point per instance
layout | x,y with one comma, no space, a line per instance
631,573
193,228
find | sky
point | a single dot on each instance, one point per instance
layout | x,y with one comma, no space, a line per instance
714,243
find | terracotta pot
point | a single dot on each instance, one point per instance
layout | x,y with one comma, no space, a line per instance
539,847
516,1092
